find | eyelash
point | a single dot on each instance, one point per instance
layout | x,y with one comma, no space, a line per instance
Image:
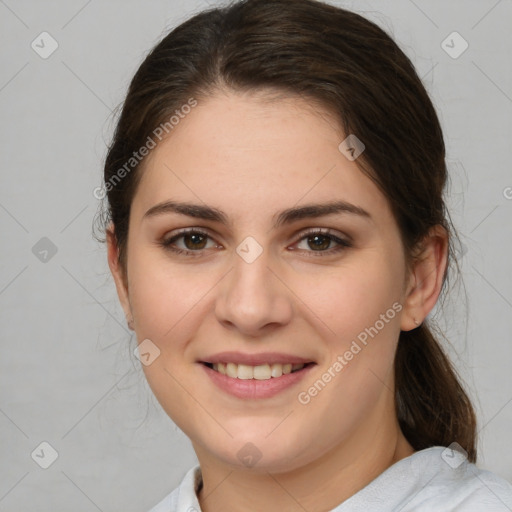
343,244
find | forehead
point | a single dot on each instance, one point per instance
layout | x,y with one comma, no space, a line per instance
247,154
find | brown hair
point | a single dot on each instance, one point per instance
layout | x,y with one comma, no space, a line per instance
354,69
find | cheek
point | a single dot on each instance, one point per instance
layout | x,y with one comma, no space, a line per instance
163,296
167,303
357,314
352,298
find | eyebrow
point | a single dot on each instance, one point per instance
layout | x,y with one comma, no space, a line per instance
288,216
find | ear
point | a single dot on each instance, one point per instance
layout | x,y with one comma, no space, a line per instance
120,279
426,278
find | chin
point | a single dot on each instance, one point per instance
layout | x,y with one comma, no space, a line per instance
259,454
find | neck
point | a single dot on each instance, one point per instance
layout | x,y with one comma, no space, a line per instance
319,486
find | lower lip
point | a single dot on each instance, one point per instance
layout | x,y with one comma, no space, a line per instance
253,388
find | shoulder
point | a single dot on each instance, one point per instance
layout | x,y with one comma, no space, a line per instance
469,488
436,478
444,480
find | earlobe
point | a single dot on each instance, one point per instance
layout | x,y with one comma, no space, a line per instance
427,278
117,273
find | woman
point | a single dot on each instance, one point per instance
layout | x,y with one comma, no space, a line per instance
277,235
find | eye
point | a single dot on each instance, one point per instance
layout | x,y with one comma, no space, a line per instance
195,241
320,240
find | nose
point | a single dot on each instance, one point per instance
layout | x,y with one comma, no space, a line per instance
253,298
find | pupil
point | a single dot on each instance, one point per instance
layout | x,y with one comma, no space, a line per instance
320,245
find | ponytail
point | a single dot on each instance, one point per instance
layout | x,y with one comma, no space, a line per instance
432,407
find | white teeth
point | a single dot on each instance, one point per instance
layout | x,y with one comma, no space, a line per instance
245,372
276,370
259,372
231,370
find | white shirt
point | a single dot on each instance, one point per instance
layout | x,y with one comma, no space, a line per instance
435,479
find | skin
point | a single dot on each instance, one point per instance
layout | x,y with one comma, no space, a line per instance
251,157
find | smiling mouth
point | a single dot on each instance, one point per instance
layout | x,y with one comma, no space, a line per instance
258,372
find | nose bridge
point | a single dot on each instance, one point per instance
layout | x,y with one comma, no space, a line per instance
251,296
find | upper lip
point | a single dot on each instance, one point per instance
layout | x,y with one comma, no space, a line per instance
255,359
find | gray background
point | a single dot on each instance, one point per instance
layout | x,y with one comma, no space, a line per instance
67,373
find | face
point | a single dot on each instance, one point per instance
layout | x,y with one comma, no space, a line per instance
241,282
